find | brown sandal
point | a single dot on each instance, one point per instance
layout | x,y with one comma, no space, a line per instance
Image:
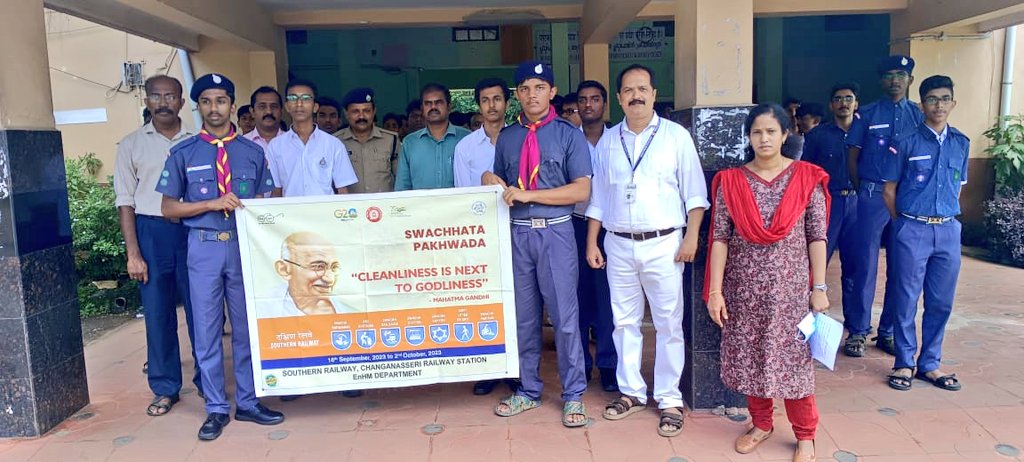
671,416
623,407
748,442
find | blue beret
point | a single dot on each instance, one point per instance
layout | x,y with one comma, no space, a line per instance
534,70
896,63
209,81
357,96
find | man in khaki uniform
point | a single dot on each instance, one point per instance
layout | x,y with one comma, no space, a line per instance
372,150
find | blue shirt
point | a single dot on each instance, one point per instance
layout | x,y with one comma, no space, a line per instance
825,146
564,157
878,127
930,174
190,174
426,163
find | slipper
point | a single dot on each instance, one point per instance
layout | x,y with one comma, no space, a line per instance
901,382
673,419
161,405
517,404
854,346
945,382
624,406
574,408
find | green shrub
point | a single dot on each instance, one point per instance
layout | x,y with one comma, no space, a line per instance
98,246
1007,152
462,101
1004,216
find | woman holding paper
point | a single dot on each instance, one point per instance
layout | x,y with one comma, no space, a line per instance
768,229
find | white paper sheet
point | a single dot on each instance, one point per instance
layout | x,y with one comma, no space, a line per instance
825,340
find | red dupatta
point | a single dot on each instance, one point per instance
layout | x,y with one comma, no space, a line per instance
746,216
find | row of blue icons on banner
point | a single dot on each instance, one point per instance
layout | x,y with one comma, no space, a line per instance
415,335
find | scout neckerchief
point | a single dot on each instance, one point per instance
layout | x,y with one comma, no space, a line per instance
529,156
746,215
223,167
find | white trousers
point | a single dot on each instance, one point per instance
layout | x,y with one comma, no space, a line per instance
647,267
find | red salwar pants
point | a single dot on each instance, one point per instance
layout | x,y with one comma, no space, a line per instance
802,414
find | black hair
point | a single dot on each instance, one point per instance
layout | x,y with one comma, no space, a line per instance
634,67
458,118
392,116
594,84
790,100
156,78
330,102
854,88
557,103
432,87
811,109
571,98
265,89
243,110
300,83
413,105
488,83
935,82
779,113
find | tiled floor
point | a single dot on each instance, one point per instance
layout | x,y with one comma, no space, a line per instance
861,418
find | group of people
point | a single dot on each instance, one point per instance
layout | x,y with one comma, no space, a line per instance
603,219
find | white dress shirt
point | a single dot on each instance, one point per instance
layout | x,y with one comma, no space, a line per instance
309,169
581,207
140,160
474,155
669,180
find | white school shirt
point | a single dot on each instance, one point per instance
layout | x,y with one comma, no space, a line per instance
309,169
581,207
474,155
669,179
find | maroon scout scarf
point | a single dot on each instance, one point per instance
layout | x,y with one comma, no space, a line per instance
746,216
529,156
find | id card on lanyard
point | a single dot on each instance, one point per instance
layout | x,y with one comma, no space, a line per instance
631,186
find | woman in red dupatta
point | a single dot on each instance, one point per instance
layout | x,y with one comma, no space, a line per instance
767,246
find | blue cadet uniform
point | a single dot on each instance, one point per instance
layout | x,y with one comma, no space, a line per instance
544,257
825,146
214,265
925,250
878,127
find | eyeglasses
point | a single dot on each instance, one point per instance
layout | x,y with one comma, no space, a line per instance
318,267
898,75
570,111
304,98
170,98
935,100
844,99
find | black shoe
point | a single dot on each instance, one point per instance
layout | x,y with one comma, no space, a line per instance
886,344
608,381
214,425
352,393
260,415
484,387
287,398
145,368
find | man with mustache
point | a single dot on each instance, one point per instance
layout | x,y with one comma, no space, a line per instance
425,160
310,267
870,142
825,146
543,164
328,117
266,110
372,150
155,245
650,195
203,182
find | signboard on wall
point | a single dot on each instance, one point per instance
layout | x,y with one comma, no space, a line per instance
639,41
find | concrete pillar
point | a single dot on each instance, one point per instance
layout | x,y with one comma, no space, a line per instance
714,82
594,66
248,69
42,366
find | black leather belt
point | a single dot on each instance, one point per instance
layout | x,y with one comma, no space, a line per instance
927,220
645,236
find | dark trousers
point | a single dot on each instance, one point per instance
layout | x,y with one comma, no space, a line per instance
595,304
164,246
872,219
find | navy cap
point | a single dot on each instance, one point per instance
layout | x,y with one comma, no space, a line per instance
534,70
357,96
896,63
209,81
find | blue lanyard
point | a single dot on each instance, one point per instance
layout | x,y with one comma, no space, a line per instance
622,139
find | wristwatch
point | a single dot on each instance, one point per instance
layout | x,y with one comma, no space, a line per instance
821,287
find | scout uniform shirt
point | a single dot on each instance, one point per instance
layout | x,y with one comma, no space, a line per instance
879,125
931,169
375,161
190,174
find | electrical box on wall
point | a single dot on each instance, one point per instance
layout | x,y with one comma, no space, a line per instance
131,75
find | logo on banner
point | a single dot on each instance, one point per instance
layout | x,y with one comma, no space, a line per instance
374,214
478,208
415,335
346,214
270,380
390,337
439,333
366,338
488,330
464,332
341,339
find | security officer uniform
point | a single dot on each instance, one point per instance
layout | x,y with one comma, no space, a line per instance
930,171
878,126
214,264
376,160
